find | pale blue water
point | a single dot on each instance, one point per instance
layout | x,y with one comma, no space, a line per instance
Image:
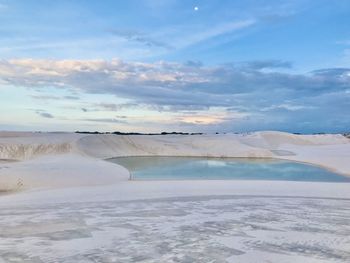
192,168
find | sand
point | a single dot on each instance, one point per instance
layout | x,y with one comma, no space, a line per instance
60,201
51,160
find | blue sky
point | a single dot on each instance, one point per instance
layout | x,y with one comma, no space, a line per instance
152,65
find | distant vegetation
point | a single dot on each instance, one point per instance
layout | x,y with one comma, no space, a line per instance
347,135
137,133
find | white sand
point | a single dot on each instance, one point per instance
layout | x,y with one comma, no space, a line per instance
76,207
50,160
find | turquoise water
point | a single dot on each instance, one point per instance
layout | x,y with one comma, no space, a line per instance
197,168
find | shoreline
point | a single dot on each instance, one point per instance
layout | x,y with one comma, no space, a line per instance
330,169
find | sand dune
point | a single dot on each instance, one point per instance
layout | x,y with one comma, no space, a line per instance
68,159
77,207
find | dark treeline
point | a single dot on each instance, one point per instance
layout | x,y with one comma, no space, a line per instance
138,133
179,133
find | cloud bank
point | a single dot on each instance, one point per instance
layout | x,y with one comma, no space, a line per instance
258,98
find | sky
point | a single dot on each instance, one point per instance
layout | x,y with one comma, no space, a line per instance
175,65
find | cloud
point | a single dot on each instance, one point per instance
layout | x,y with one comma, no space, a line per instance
247,90
180,36
287,107
198,34
70,97
209,119
114,106
102,106
167,83
45,97
142,38
193,63
333,72
52,97
343,42
267,64
105,120
44,114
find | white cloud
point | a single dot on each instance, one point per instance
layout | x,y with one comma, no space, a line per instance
182,37
289,107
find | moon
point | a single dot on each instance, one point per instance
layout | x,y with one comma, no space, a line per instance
196,8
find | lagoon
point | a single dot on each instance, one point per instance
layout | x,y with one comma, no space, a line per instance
202,168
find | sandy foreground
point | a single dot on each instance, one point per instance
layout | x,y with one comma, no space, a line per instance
61,202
